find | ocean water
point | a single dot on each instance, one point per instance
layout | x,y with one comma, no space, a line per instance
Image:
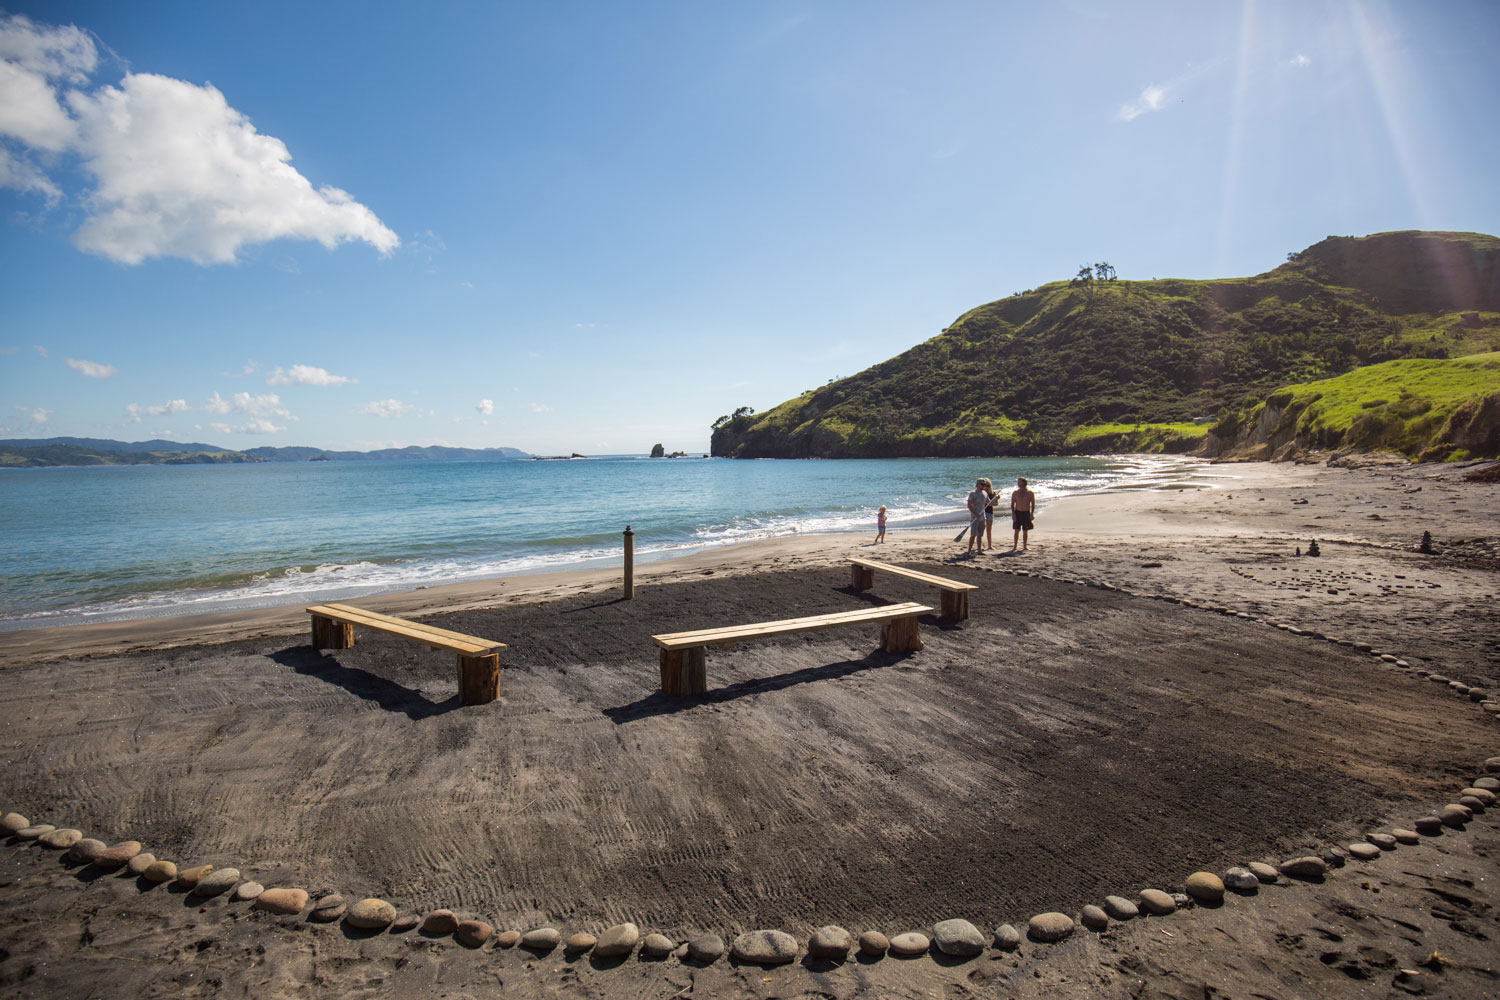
106,543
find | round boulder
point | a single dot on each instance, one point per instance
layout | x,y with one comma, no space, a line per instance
283,901
1384,841
370,914
958,937
1264,872
1205,887
541,939
1007,937
1454,815
1120,908
1304,867
831,943
1094,918
1492,765
1364,852
138,864
874,944
117,856
13,822
1052,926
473,933
1429,825
405,922
1241,880
215,882
58,840
578,943
507,939
36,831
1405,836
657,946
618,941
765,947
910,944
706,948
440,923
1482,794
1156,902
187,878
85,849
160,871
247,891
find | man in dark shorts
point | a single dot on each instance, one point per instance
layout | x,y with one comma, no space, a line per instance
1022,507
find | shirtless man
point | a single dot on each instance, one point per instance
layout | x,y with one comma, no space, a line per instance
1022,507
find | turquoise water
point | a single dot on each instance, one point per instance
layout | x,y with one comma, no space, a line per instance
101,543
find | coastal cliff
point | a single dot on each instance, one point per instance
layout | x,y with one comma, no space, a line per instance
1100,364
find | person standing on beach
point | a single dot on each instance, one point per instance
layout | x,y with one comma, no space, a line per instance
989,515
1022,508
976,503
880,524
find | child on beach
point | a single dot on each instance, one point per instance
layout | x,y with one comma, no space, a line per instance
880,524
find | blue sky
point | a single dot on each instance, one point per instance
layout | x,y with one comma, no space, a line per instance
595,226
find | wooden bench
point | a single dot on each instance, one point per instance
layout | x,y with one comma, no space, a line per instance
683,658
478,659
955,601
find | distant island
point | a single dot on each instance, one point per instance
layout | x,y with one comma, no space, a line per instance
19,453
1259,367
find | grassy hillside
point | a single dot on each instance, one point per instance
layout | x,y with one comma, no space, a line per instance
1430,410
1070,368
61,455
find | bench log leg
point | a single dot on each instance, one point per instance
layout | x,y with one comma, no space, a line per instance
861,577
671,672
695,671
330,634
900,636
478,679
956,604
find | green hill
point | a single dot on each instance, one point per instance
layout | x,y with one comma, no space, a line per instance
1130,365
1424,409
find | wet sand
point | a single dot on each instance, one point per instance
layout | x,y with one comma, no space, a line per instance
1066,742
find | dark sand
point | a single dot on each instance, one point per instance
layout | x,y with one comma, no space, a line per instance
1065,743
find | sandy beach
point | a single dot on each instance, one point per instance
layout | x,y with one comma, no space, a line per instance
1160,685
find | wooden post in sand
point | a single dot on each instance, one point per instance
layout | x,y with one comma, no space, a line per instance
478,679
330,634
900,636
629,563
861,577
684,671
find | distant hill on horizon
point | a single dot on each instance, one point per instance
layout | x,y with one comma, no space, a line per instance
1094,363
69,451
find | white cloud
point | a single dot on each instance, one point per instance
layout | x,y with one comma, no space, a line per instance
39,349
36,414
540,408
90,368
177,171
257,426
386,408
1299,60
1152,98
305,375
485,406
267,404
137,411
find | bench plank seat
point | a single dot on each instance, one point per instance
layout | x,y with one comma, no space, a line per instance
478,659
683,667
955,599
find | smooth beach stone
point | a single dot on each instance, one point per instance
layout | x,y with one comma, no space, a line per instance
507,939
1051,926
36,831
831,942
1120,908
405,922
188,877
958,937
657,946
57,840
1405,836
1454,814
706,948
1334,857
542,939
440,922
1156,902
473,933
1384,841
1007,937
1305,867
1205,887
1364,852
1470,803
85,849
13,822
1488,784
285,901
114,857
580,942
1437,678
138,864
1363,647
1492,765
1266,873
160,871
1477,694
328,914
1402,663
1428,825
1094,918
619,940
765,947
215,882
1482,794
874,944
1389,658
909,944
1241,880
370,914
247,891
